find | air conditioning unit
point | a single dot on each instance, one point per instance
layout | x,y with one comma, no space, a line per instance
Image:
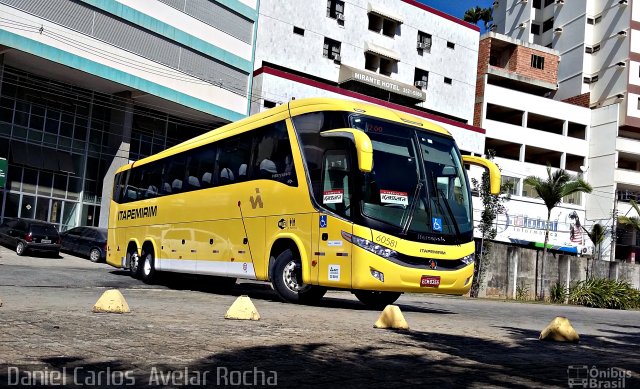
557,30
422,45
340,17
586,250
337,58
420,84
590,80
621,64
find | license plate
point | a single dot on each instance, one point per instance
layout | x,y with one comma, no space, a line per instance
430,281
45,241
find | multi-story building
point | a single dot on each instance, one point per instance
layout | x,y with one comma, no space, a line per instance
86,86
529,132
600,63
400,54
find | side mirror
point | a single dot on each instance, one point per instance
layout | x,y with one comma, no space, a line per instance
361,140
494,172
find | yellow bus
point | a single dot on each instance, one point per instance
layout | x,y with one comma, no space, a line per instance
310,195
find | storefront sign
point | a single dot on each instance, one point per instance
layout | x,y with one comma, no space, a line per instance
348,73
4,166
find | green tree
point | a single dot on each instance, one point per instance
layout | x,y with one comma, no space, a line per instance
632,221
493,205
473,15
596,236
551,190
476,14
487,17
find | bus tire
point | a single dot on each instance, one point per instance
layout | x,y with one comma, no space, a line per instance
287,280
148,267
134,261
377,300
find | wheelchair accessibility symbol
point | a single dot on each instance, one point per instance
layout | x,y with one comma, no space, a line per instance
323,221
436,222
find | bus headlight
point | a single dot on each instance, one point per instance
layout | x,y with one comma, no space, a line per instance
368,245
468,259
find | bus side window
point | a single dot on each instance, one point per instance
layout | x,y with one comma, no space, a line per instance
175,173
117,187
234,152
273,158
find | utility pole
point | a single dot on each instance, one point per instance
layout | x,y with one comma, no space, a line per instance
612,252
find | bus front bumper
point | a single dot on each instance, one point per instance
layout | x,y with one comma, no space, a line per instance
399,278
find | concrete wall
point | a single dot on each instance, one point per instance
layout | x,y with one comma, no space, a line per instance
511,267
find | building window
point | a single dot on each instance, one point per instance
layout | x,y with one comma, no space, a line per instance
421,78
298,30
548,3
535,29
382,25
575,198
638,107
515,182
269,104
331,49
547,25
379,64
451,45
528,191
335,9
447,80
590,21
537,61
537,4
424,42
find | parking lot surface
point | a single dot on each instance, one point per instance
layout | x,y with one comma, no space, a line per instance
176,335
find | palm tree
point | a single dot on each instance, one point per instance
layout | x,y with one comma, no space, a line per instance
473,15
487,17
558,185
633,221
596,235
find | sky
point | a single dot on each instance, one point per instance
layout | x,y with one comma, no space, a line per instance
457,7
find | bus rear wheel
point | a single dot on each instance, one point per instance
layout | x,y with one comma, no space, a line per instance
135,268
148,267
377,300
287,281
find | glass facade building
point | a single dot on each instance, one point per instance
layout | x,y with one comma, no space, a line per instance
60,140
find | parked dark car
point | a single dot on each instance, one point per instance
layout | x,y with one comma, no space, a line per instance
88,241
30,235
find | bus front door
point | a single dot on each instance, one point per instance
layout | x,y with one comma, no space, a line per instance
333,253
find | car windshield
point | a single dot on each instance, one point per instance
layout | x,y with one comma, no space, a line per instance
417,182
41,229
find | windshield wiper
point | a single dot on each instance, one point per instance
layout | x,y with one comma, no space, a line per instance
410,209
440,196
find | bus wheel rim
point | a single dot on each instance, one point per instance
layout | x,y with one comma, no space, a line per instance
290,277
147,265
134,262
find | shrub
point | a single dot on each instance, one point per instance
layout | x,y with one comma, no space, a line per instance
522,292
559,293
604,293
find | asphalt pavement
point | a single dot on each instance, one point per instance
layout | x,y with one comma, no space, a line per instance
176,336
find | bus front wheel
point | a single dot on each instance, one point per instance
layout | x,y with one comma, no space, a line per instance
287,280
375,299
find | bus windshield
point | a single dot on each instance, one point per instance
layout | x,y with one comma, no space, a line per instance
417,186
417,183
